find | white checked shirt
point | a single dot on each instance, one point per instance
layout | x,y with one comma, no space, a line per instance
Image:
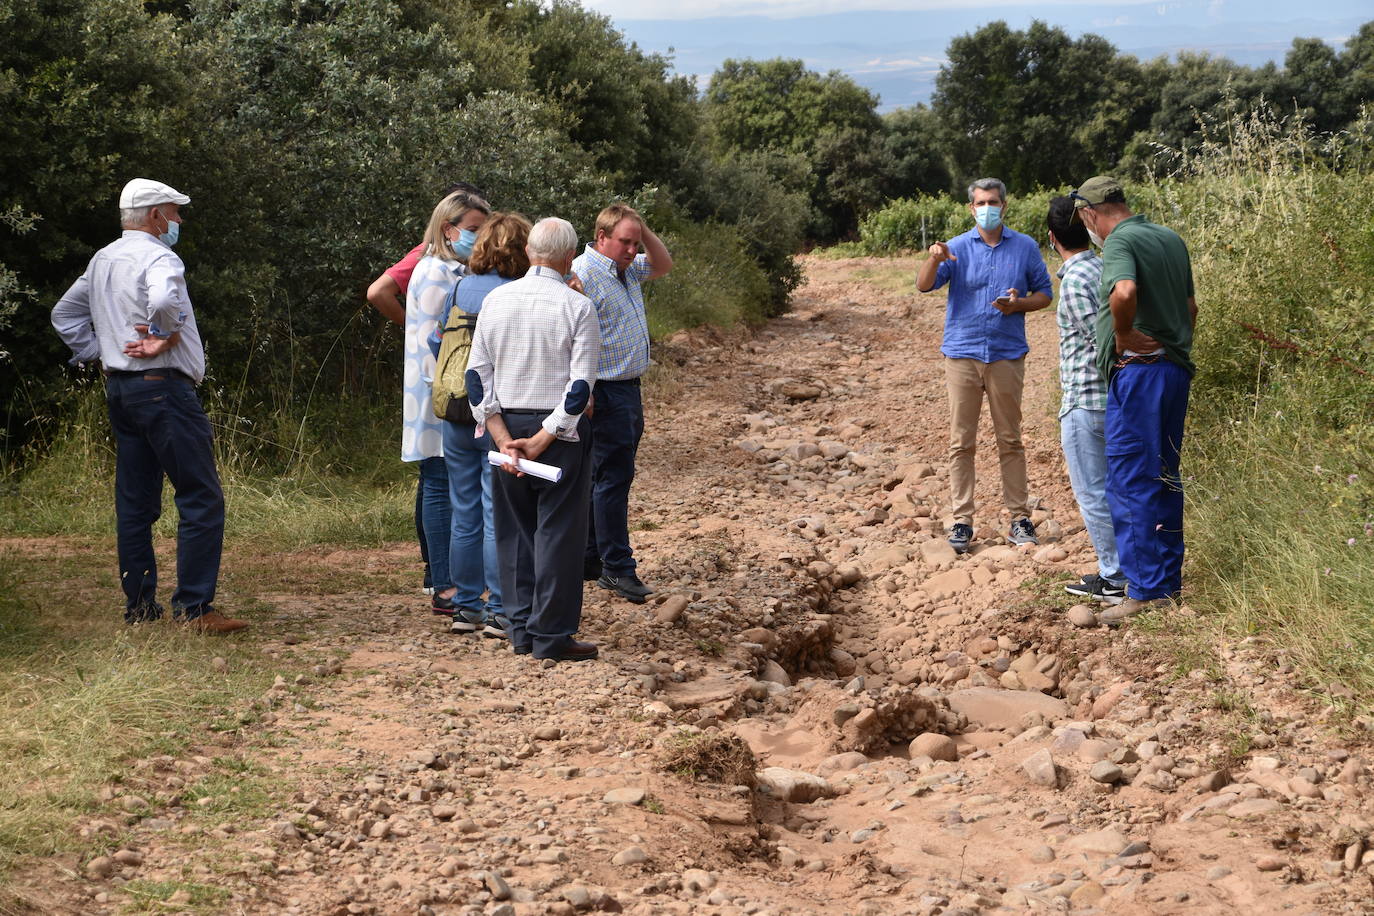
535,340
136,279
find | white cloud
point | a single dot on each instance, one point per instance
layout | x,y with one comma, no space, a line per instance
789,9
882,65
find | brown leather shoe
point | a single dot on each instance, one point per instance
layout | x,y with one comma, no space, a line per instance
215,622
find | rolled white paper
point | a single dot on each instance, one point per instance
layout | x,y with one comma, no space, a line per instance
534,468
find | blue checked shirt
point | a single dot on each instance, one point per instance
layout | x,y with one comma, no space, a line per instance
620,309
1077,317
974,328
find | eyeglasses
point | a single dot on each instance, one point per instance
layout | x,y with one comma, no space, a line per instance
1074,195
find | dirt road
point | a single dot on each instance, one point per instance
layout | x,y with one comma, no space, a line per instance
930,734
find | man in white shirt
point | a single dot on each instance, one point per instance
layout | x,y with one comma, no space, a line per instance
529,380
130,311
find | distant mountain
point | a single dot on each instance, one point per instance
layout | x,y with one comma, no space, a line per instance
897,54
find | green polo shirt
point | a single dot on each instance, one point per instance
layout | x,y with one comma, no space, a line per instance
1157,260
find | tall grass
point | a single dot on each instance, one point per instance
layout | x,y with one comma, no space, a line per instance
1280,449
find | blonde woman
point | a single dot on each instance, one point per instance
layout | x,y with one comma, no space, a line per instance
448,242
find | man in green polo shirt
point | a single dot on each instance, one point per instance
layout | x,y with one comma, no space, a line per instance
1144,349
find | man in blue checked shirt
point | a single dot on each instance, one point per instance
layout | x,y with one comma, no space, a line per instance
611,271
995,276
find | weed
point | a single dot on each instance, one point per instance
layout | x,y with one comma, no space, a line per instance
163,896
712,647
653,805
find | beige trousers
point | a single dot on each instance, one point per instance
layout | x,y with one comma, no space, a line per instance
967,380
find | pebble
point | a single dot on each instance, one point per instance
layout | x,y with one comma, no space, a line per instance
629,795
696,881
101,867
1270,863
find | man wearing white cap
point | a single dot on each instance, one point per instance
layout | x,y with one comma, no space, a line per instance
130,310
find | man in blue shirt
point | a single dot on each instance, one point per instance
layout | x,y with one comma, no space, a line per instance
611,271
995,276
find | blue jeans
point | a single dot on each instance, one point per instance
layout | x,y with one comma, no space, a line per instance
160,428
1085,450
436,519
472,543
1146,407
617,425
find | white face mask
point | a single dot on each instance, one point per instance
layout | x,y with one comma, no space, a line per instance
1095,238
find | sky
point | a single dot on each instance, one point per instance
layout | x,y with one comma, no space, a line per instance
896,47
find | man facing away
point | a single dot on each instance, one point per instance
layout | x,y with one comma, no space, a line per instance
995,276
611,271
1144,349
131,311
1083,405
529,380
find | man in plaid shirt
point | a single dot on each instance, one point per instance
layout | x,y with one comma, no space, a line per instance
611,271
1083,409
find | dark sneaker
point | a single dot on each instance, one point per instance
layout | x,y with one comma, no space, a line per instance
591,570
428,587
960,536
495,627
573,651
147,612
1095,588
444,607
1022,532
627,586
466,620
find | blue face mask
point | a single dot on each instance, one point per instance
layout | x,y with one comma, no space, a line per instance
172,234
462,246
988,217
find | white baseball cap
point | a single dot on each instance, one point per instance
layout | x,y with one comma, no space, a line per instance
144,192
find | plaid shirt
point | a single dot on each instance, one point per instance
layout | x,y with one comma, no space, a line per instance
620,308
1078,306
535,348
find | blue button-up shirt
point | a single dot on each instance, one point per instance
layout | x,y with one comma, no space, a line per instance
620,309
974,328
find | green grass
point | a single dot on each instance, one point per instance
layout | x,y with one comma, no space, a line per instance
83,697
173,896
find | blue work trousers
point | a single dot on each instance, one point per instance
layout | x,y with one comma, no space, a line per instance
161,429
1146,407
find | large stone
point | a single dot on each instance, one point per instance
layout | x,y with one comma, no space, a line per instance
629,795
774,674
839,763
1254,807
1003,709
1105,842
1104,771
1040,769
792,785
671,608
935,746
946,585
937,552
